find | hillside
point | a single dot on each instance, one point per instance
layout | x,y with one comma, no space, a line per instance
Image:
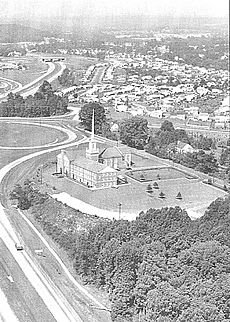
161,267
17,33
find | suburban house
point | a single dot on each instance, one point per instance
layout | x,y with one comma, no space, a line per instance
182,147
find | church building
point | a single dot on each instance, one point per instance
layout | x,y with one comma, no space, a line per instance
97,169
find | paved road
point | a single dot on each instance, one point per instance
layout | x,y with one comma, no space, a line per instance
98,75
54,70
53,299
90,309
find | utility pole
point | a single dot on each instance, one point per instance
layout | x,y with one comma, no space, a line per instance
119,210
41,175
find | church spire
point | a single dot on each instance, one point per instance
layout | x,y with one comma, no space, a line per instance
92,152
93,120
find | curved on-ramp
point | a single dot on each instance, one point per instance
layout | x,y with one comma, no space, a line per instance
61,310
55,302
30,87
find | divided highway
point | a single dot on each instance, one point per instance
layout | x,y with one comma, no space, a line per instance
51,295
54,70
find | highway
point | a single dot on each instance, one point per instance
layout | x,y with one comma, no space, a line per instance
64,299
54,70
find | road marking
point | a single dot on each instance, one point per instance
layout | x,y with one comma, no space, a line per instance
6,313
65,269
52,298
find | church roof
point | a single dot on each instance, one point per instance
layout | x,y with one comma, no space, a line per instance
92,165
114,152
124,150
111,152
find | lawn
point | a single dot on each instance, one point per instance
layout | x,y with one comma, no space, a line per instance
158,173
16,134
35,68
134,198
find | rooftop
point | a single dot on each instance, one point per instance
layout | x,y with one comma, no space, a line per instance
92,165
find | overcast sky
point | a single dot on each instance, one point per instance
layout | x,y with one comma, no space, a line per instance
11,8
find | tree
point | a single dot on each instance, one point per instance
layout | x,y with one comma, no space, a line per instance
179,196
161,195
155,185
44,103
152,270
149,188
225,157
134,132
67,78
166,301
86,114
167,126
206,163
211,259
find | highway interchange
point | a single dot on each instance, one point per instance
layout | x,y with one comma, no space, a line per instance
37,288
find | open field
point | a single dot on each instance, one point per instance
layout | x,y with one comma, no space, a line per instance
16,135
35,68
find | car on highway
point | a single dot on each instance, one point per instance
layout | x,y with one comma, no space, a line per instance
19,247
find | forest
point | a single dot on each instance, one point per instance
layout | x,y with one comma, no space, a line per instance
43,103
161,267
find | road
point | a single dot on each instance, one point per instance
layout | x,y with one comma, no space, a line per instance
54,70
98,75
59,297
63,299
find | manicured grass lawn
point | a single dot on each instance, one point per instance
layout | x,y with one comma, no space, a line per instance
134,197
15,134
165,173
35,68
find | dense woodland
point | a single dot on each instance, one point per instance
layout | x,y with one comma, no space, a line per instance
161,267
43,103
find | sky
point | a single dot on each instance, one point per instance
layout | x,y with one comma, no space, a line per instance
44,8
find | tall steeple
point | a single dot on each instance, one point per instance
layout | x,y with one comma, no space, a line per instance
92,152
93,121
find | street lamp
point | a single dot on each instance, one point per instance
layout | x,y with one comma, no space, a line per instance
119,210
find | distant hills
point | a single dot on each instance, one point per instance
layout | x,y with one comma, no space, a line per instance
12,33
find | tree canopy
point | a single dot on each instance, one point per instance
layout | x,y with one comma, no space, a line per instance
86,114
44,103
67,77
134,132
160,267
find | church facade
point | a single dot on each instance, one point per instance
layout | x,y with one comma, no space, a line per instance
97,169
